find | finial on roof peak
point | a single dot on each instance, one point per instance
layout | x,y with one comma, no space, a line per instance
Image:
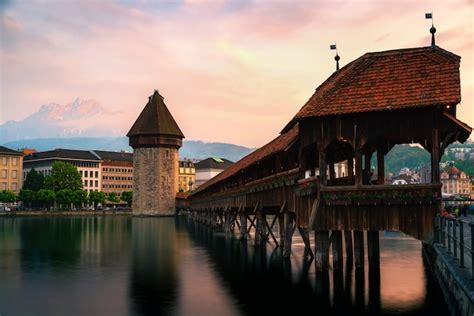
432,29
336,58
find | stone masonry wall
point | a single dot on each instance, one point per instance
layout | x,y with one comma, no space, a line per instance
155,181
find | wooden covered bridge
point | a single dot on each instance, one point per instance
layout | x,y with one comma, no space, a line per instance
316,175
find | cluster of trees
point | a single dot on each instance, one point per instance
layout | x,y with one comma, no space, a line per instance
62,186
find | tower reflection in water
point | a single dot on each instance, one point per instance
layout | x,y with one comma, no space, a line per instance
155,259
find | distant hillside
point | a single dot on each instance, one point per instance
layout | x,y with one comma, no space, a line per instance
191,149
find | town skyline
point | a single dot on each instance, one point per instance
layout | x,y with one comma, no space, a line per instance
218,69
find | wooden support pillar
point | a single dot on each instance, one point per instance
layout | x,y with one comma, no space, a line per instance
322,164
350,169
281,228
358,166
307,245
259,227
380,167
359,248
348,242
367,160
322,250
337,249
289,231
373,247
243,224
435,156
332,172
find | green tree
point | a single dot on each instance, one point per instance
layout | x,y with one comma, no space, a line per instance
79,197
34,181
63,176
112,197
28,197
96,197
65,197
7,196
45,197
127,196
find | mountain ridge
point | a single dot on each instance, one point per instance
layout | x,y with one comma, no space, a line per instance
192,149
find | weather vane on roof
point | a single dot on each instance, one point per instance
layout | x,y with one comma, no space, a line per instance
336,58
432,29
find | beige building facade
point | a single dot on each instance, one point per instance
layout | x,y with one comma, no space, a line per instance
117,171
455,181
186,176
11,170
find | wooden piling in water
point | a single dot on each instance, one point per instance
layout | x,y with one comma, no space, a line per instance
348,242
359,248
322,250
337,262
373,247
307,245
290,227
243,224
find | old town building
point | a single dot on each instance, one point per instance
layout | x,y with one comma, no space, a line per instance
455,181
186,176
117,171
209,168
10,169
87,163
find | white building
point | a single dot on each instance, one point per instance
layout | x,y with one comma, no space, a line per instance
88,164
209,168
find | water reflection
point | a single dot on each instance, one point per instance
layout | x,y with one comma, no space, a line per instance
155,260
167,266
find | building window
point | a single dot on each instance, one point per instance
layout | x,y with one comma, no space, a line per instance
14,186
97,174
4,173
96,183
91,183
4,161
15,161
80,171
4,186
85,173
14,174
85,183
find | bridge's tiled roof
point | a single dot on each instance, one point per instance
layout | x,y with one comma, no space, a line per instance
281,143
389,80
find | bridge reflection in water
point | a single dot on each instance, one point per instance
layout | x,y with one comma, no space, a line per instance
262,280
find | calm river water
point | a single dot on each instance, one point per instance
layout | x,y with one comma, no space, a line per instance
167,266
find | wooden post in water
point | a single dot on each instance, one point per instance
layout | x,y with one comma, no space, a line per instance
322,250
307,245
348,242
373,247
359,248
281,227
289,230
337,249
243,223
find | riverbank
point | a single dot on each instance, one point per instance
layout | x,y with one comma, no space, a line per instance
66,213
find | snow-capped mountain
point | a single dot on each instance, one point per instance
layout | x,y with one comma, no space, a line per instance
85,118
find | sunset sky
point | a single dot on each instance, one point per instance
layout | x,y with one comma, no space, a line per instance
231,71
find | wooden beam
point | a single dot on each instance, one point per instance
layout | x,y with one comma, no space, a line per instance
359,248
350,169
307,245
358,166
373,247
337,262
348,242
322,164
380,166
290,227
435,154
322,250
314,210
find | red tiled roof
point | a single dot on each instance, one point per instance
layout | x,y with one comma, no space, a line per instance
281,143
388,80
